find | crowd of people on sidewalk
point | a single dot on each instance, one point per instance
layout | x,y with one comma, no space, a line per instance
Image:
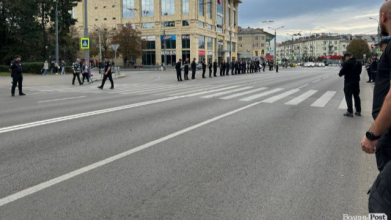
224,67
53,67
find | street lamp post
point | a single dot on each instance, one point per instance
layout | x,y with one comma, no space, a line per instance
275,40
86,52
57,48
378,28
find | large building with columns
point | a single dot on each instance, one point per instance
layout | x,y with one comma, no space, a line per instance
201,29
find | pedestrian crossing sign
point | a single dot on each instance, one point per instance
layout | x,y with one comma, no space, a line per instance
85,43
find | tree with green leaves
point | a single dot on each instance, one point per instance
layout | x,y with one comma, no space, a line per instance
358,48
106,35
130,42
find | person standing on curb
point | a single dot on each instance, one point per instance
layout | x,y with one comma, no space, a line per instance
16,74
215,68
76,71
210,68
63,64
186,68
178,70
277,66
193,68
351,69
45,68
203,68
377,139
108,74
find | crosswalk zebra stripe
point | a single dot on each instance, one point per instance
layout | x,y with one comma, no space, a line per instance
150,90
343,104
197,90
216,90
322,101
301,98
226,92
250,98
280,96
243,93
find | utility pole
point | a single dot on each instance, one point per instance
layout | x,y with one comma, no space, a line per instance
57,49
230,47
86,52
275,40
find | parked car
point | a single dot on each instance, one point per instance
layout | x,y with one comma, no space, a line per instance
199,67
309,64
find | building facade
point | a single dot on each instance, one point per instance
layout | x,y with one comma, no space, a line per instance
319,46
172,29
253,43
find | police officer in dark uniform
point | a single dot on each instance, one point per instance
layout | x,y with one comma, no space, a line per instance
210,68
108,74
203,68
227,67
215,68
16,74
351,69
186,68
178,67
193,68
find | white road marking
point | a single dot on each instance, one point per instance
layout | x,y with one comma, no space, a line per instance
343,104
301,98
215,90
322,101
34,189
82,115
280,96
243,93
303,86
316,81
56,100
250,98
226,92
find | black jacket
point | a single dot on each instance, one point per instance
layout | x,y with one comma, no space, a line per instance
351,69
178,66
193,65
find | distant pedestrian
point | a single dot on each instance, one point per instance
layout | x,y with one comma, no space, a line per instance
45,68
193,69
107,74
210,66
178,68
16,74
56,66
63,64
351,69
277,66
186,69
227,67
76,71
84,71
203,68
215,68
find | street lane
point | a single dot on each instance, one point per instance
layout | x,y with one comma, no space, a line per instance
270,160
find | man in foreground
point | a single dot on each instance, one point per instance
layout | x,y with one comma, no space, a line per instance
377,139
108,74
16,74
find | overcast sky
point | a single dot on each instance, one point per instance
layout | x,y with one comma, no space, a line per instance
311,16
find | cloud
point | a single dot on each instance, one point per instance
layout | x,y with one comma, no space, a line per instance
310,16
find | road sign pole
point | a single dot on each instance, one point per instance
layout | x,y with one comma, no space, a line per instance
86,52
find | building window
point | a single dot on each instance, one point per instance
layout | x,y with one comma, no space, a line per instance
233,47
147,8
168,7
240,38
149,58
234,13
128,9
201,42
209,9
201,7
262,45
263,38
256,45
256,38
168,24
210,43
256,53
148,25
209,27
219,27
105,19
149,45
240,45
228,16
220,7
185,6
185,23
201,24
186,41
185,55
170,41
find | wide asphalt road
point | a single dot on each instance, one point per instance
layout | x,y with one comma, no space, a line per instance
256,146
